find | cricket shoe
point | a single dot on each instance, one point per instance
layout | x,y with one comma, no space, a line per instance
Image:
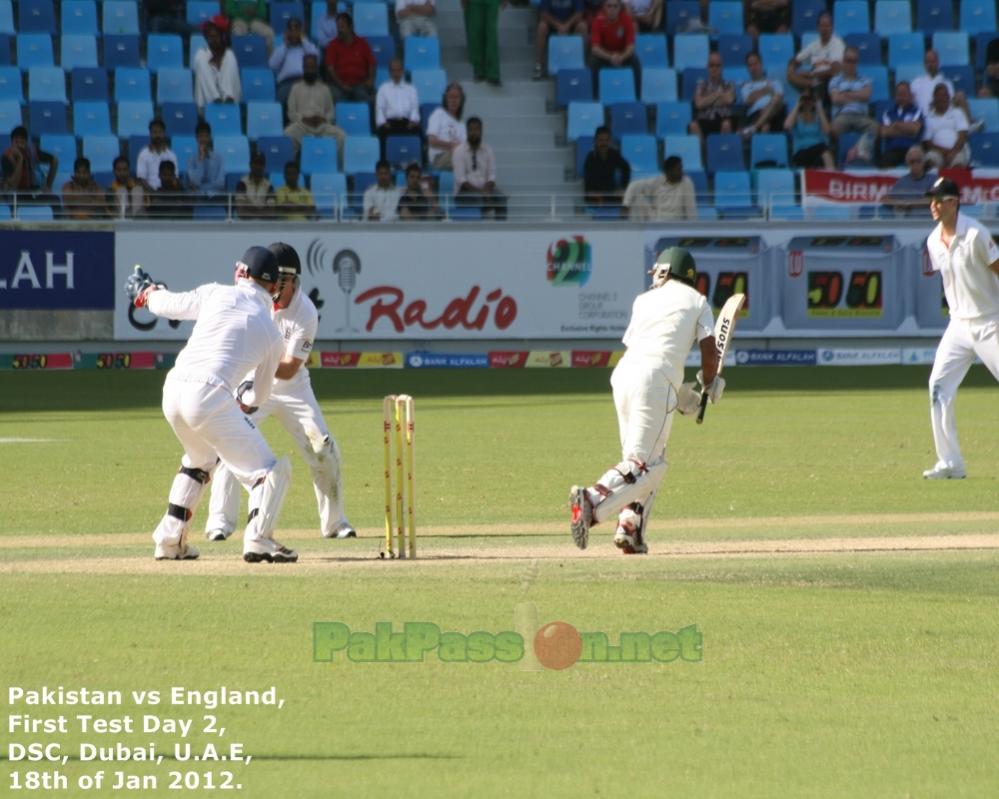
342,530
217,535
582,515
628,537
267,550
175,551
944,472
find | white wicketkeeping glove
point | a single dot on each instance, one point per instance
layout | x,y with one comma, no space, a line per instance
688,399
716,389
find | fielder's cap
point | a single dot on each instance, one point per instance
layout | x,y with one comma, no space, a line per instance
944,188
260,263
679,262
288,261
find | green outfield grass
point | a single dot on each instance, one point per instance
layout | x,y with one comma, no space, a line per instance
859,674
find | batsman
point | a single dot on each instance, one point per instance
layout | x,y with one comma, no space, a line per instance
666,322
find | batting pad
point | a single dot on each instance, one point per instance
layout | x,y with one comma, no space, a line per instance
266,498
623,492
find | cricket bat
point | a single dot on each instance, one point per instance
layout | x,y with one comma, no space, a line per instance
724,328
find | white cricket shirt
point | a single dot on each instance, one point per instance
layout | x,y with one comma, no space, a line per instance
970,285
298,324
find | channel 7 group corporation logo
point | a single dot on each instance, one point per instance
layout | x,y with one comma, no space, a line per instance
569,261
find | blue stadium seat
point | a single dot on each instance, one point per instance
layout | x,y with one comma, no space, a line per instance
7,20
235,152
79,16
279,150
907,72
383,48
687,147
892,16
868,46
426,109
672,118
985,149
978,16
194,44
429,83
628,118
725,16
46,117
47,83
209,213
879,81
134,118
200,11
934,15
101,150
952,47
987,110
565,52
573,84
34,50
91,119
650,50
134,146
132,83
263,119
466,213
774,188
768,147
680,14
583,119
10,115
371,19
688,81
184,147
318,154
163,50
963,77
700,180
584,146
61,145
36,16
736,75
401,151
690,50
353,118
250,50
981,47
775,49
733,194
329,192
258,84
120,16
225,119
724,152
180,118
734,47
641,151
35,213
421,52
851,16
905,48
658,85
174,85
5,56
281,12
805,16
78,50
360,154
10,84
120,50
89,83
616,85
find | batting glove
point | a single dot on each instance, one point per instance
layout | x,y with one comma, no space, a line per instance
715,390
245,386
138,286
688,399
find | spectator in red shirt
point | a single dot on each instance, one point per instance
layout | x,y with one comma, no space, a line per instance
612,39
350,64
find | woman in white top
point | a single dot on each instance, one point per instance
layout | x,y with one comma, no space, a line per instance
216,71
445,130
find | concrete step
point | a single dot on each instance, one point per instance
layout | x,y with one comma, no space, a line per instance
497,125
527,141
550,174
531,160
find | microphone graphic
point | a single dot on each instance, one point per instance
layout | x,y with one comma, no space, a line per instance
346,266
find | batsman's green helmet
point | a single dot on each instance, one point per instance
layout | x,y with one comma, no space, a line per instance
676,262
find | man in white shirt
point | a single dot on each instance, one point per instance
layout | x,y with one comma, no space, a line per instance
397,106
818,61
233,336
945,132
294,404
762,99
147,168
922,86
963,251
663,197
475,173
666,323
381,199
416,17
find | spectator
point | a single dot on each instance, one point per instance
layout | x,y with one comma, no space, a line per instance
326,27
205,169
714,101
907,197
647,14
82,198
990,80
290,201
126,196
767,16
381,198
612,38
819,61
254,192
945,135
419,200
416,17
663,197
559,17
249,16
22,170
482,38
169,200
923,86
153,154
168,16
809,131
310,107
475,172
350,64
762,99
850,93
287,59
605,171
445,130
397,107
900,129
216,72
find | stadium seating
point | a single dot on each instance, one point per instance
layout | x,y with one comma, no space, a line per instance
10,84
768,147
278,150
733,195
687,147
775,49
985,149
905,48
225,119
774,187
163,50
978,16
360,154
429,83
628,118
10,115
583,119
78,50
7,26
318,154
132,83
383,48
574,84
281,12
725,16
565,52
258,84
641,151
934,15
371,19
868,46
724,152
46,117
250,51
329,192
34,50
616,85
672,118
78,16
235,152
851,16
61,145
952,47
174,85
101,150
892,16
658,85
680,14
421,52
120,50
263,119
120,16
650,50
734,47
200,11
134,118
353,118
805,16
401,151
36,16
690,50
47,83
89,83
987,110
91,119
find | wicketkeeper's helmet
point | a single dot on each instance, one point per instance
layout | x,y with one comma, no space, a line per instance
676,262
261,263
288,261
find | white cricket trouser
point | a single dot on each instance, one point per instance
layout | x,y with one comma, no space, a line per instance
962,341
299,414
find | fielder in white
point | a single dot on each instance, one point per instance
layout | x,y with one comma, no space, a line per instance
666,322
293,402
963,251
233,334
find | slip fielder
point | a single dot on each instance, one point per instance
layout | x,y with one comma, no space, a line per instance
294,404
666,322
963,251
